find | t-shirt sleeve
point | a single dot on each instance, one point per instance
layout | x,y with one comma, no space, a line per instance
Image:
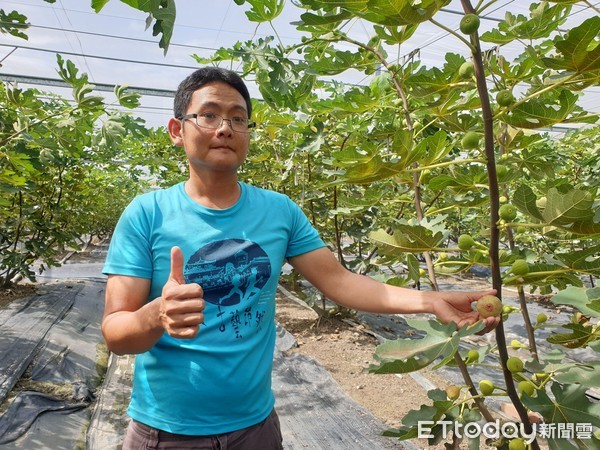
130,251
304,237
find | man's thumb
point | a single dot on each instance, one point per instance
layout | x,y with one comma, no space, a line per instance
177,266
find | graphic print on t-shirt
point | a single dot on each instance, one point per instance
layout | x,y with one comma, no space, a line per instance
232,273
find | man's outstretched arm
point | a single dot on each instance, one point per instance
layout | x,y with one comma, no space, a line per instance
363,293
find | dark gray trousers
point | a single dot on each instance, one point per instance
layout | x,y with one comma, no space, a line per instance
265,435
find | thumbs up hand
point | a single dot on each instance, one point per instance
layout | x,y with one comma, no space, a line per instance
181,304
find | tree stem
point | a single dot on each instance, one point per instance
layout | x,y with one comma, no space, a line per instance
472,390
494,196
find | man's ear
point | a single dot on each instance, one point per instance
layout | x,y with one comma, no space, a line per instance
176,131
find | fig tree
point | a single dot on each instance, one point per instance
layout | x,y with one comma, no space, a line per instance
505,98
486,387
488,306
514,364
453,392
520,267
516,444
470,140
515,345
466,70
469,24
508,212
472,356
527,387
465,242
541,318
541,376
501,171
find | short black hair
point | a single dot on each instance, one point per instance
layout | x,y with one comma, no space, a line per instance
202,77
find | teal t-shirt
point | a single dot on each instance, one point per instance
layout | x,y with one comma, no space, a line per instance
220,381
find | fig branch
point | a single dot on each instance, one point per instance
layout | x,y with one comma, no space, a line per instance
472,389
520,290
410,127
494,196
454,33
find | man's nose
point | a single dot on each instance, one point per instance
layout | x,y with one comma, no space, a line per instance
226,128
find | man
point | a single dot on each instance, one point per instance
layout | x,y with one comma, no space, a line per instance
193,272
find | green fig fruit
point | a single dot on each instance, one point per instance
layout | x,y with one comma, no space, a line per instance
486,387
469,24
488,306
514,364
465,242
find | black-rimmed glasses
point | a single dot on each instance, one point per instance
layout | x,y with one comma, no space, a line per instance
214,121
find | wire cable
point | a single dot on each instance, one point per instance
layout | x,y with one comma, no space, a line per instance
113,36
62,6
107,58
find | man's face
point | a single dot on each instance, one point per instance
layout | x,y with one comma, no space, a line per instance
220,149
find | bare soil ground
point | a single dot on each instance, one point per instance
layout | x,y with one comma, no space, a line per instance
15,292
